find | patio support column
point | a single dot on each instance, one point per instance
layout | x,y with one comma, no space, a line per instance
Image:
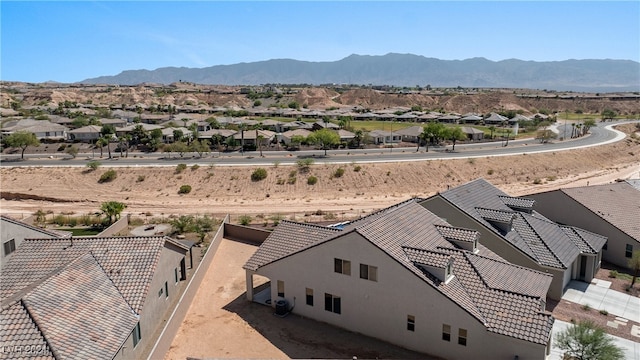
249,275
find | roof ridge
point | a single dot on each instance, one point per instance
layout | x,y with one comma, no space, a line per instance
33,227
309,225
542,241
108,277
35,322
388,208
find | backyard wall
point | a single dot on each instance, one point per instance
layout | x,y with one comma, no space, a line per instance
245,233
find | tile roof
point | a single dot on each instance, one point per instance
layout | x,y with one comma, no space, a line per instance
130,263
459,234
533,234
507,302
48,232
19,331
617,203
63,303
586,241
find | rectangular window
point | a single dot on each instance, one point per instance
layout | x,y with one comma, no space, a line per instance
368,272
280,288
446,332
166,289
342,266
332,303
462,337
628,251
160,292
309,297
175,273
136,335
411,323
9,247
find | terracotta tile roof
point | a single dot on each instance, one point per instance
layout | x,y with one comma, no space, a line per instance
130,263
533,234
617,203
412,235
63,303
19,334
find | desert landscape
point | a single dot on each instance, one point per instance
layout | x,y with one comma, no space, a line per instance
218,190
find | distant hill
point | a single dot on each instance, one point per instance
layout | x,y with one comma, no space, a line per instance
404,70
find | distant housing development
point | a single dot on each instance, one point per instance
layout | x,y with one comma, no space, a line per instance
405,276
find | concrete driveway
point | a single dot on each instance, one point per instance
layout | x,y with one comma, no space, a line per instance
598,296
630,348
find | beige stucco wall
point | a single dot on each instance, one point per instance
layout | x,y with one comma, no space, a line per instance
560,208
379,309
10,230
497,244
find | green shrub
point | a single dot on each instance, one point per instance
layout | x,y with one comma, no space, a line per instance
291,180
357,168
338,173
184,189
537,181
305,164
245,220
490,172
140,178
604,312
259,174
312,180
195,167
108,176
613,274
280,181
93,164
180,168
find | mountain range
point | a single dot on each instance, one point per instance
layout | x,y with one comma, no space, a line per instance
603,75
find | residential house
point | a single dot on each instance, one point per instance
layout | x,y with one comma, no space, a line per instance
127,129
13,232
251,137
405,276
42,129
224,134
470,118
89,133
168,134
449,118
286,136
345,135
472,133
90,298
411,134
511,228
324,125
385,137
495,119
612,210
116,122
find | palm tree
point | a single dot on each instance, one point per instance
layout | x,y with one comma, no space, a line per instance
259,139
101,142
112,209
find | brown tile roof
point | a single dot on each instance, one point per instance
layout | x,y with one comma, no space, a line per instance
459,234
508,302
617,203
80,311
586,241
19,334
130,263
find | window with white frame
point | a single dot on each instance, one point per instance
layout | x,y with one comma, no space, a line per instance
462,337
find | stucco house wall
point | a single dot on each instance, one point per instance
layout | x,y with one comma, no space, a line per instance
17,231
380,309
561,208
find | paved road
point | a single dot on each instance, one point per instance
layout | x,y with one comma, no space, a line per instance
599,135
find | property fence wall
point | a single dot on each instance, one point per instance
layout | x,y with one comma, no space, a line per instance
170,330
245,233
116,227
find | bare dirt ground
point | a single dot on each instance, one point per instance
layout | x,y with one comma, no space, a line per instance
221,323
363,188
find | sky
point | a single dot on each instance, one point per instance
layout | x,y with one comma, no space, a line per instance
75,40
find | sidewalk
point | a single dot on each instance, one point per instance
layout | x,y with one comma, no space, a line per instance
630,348
598,296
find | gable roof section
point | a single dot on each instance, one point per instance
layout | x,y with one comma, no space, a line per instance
411,235
19,330
129,262
617,203
63,303
586,241
47,232
534,235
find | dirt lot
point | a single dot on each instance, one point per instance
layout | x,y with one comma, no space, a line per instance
221,323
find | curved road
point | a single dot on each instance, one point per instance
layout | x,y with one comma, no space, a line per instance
599,135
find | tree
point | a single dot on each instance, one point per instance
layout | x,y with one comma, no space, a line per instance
436,131
608,114
182,224
101,142
634,264
112,210
177,135
454,134
587,125
296,140
586,341
325,138
22,139
180,147
72,150
492,129
200,147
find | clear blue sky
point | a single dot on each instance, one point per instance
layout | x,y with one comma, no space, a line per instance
76,40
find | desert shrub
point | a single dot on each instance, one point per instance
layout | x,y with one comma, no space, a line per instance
613,274
312,180
490,172
552,178
586,307
59,220
136,221
180,168
291,180
108,176
195,167
338,173
293,173
305,164
604,312
184,189
93,165
62,147
537,181
259,174
357,168
140,178
280,181
245,220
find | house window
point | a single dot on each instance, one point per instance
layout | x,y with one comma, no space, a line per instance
368,272
175,273
462,337
136,335
332,303
309,297
628,251
160,292
411,323
280,288
9,247
446,332
447,271
166,289
342,266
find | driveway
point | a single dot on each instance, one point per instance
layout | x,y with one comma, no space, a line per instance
630,348
598,296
